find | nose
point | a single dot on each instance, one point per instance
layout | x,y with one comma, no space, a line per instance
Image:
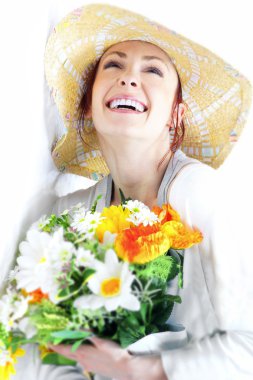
130,82
128,78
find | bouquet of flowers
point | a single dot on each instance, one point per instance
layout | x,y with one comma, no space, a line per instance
86,273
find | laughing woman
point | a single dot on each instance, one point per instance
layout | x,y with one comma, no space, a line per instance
130,92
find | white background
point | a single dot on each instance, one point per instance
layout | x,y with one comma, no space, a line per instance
27,172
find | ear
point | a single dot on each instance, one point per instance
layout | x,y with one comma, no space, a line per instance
88,114
180,111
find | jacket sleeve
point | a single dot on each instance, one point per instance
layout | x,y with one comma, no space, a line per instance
227,353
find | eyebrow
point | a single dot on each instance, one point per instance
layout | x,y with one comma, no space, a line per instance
144,57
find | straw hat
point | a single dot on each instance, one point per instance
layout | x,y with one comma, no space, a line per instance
217,96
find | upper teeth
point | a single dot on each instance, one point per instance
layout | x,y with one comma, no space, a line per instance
126,102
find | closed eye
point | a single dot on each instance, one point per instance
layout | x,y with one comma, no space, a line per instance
150,69
112,64
155,70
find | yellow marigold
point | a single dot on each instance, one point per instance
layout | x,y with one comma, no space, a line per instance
166,213
181,236
44,351
8,359
141,244
114,222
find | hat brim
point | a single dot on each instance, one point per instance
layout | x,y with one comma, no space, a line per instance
217,96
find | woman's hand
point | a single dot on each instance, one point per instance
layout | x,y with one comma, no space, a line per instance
108,359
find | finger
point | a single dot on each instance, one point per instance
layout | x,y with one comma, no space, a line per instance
102,343
61,349
97,342
66,350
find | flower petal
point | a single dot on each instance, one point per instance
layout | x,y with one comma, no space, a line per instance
94,284
181,236
130,302
88,302
111,258
112,303
141,244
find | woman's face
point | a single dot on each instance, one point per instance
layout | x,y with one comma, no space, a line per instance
134,90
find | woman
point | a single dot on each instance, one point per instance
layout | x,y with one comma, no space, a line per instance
132,125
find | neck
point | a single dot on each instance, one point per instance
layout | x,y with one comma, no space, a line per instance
137,170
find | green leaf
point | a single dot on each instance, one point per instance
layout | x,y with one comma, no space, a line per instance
123,199
130,330
57,359
63,293
94,206
3,333
165,268
132,320
70,335
76,345
17,341
172,298
162,308
87,273
179,254
57,341
143,311
47,323
151,329
128,335
180,279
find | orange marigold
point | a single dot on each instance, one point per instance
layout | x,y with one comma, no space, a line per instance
141,244
181,236
114,222
37,295
166,213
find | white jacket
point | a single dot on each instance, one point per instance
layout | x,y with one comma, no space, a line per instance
217,307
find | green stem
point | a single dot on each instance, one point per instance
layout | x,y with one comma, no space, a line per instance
181,274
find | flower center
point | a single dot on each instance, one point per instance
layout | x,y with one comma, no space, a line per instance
42,260
110,287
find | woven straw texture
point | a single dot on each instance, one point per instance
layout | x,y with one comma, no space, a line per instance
218,97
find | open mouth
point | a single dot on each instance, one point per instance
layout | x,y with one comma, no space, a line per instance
126,105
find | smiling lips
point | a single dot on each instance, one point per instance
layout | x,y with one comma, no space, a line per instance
126,105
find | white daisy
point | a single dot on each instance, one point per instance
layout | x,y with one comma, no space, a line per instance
111,286
42,259
141,214
135,206
40,224
13,306
78,208
86,222
84,258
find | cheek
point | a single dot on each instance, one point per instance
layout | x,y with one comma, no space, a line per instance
163,100
99,92
162,109
168,97
161,90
